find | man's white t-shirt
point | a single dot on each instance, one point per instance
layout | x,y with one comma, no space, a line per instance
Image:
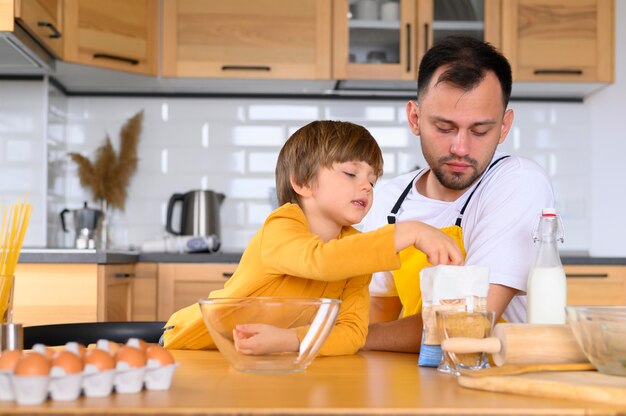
497,224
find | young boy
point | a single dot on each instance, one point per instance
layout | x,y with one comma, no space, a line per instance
308,248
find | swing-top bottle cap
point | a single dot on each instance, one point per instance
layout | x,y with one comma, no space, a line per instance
548,212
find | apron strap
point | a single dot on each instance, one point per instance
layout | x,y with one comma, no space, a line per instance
391,218
460,217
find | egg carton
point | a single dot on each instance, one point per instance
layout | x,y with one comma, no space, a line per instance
124,378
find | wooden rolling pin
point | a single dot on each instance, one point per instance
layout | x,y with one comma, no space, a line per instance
523,344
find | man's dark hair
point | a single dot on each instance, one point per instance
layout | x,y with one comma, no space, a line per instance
468,59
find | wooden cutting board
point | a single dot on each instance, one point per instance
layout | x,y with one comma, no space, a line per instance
575,385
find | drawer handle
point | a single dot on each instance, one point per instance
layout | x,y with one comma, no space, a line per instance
55,33
227,275
558,72
246,68
408,47
115,58
123,275
585,275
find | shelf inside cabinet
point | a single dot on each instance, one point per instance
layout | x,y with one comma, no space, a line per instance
374,24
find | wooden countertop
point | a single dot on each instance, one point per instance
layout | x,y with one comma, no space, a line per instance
367,383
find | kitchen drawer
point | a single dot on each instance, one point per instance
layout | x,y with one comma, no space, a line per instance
182,284
115,292
596,285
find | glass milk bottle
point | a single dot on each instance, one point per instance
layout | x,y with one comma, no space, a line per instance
547,289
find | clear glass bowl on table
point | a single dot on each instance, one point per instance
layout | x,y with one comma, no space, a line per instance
313,316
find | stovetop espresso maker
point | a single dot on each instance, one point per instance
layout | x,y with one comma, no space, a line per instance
86,222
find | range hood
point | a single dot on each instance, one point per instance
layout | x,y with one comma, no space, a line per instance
20,54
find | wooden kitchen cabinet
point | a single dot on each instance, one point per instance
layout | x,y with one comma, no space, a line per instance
596,284
281,39
43,19
378,47
56,293
113,34
115,292
182,284
144,304
559,40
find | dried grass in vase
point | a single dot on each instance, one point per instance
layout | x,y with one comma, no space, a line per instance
108,176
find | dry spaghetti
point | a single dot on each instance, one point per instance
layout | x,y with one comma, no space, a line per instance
12,231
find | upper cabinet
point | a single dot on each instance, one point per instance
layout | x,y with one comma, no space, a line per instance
385,39
44,20
116,34
282,39
559,40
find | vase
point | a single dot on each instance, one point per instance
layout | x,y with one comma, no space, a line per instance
105,225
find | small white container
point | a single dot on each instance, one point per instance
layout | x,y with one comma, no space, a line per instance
129,380
390,11
366,10
66,386
6,388
30,389
160,378
98,383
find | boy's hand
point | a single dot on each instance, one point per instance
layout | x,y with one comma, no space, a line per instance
439,247
259,339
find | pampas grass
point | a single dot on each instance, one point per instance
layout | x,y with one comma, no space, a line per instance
108,176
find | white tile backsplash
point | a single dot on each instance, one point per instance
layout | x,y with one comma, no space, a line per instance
231,146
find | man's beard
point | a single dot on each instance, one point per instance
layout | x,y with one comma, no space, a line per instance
456,181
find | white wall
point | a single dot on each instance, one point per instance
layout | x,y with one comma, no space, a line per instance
23,115
607,110
231,146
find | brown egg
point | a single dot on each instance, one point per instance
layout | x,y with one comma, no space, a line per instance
101,359
132,356
76,348
159,354
44,350
69,362
105,344
138,343
32,364
9,359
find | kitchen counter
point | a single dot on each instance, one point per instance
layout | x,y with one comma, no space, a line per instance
48,255
372,383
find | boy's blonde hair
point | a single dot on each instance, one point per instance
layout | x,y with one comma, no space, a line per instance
318,145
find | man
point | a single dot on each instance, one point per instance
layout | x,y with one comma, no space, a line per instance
488,202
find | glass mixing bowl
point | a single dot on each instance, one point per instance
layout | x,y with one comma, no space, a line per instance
601,334
316,316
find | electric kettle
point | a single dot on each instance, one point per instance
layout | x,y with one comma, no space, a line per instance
86,222
200,213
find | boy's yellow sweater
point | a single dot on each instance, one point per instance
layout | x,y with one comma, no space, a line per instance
285,259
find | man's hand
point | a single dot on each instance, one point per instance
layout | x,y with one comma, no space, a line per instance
259,339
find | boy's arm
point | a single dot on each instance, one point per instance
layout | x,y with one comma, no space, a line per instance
348,334
289,248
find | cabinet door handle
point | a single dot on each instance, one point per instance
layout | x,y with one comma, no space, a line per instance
55,33
246,68
123,275
426,36
408,47
587,275
558,71
115,58
227,275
